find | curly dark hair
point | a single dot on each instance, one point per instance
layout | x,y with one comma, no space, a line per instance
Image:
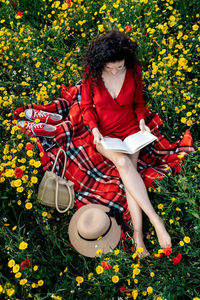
109,46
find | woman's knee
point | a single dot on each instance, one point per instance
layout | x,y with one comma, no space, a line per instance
122,161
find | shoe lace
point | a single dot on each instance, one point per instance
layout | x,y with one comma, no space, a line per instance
33,126
40,114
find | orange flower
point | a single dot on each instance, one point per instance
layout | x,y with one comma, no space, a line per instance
128,28
29,146
167,251
105,265
20,14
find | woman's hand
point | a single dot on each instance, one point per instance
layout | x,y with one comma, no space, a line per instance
143,126
98,137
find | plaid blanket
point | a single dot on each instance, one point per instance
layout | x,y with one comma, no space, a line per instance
96,179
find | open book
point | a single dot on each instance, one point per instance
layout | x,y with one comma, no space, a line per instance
130,144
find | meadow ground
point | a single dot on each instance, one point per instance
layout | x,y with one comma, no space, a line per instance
41,43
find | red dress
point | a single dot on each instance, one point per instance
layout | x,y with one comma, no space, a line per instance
114,117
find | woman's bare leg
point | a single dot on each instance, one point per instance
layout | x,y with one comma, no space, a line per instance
136,217
135,187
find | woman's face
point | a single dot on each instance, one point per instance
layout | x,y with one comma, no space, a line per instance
114,68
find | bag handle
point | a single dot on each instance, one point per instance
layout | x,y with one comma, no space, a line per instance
56,197
65,161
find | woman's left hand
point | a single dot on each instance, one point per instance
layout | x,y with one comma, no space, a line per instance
143,126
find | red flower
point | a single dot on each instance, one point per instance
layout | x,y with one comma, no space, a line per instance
167,251
18,172
13,4
105,265
128,28
177,259
69,3
157,255
20,14
133,249
29,146
125,292
26,264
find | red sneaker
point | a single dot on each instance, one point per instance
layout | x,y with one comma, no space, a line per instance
43,116
39,129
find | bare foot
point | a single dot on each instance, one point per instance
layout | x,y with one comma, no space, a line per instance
162,234
139,243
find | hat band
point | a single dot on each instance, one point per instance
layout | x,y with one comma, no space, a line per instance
100,235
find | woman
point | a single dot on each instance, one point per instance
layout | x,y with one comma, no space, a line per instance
112,105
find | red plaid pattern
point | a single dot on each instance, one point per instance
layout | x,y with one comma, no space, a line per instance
96,179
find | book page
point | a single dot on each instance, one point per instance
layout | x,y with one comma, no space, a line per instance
139,140
114,144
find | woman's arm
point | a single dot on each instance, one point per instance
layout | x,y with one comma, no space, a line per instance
87,106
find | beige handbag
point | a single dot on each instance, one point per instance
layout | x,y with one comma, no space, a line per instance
56,191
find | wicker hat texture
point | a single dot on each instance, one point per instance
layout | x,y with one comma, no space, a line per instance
91,228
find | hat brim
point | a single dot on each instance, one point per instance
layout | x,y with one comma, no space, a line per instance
89,248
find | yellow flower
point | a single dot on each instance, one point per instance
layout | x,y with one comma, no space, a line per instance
23,281
181,243
34,285
160,206
186,239
15,268
116,252
152,274
100,27
35,268
28,205
149,289
64,6
136,271
135,294
44,214
9,173
22,114
90,276
18,275
23,245
140,250
195,27
10,292
115,279
29,153
38,64
11,263
1,288
134,255
99,269
40,282
99,252
34,179
37,120
79,279
37,164
20,189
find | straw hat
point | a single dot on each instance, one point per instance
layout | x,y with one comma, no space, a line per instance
91,229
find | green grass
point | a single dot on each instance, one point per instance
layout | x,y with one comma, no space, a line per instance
39,52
